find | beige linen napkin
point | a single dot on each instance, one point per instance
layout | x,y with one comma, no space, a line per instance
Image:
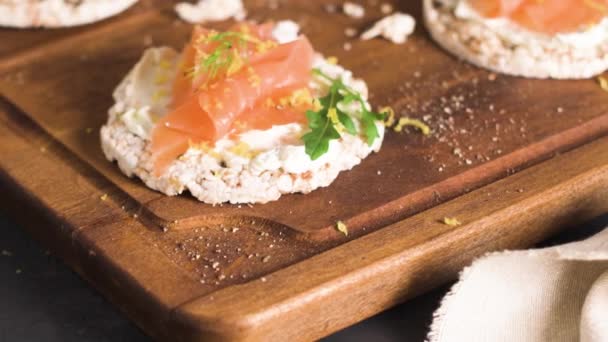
552,294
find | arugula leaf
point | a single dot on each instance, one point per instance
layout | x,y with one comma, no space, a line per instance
347,122
329,122
317,140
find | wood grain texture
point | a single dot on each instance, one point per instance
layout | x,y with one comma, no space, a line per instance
237,272
498,124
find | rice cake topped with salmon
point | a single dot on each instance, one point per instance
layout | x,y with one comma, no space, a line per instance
241,116
58,13
563,39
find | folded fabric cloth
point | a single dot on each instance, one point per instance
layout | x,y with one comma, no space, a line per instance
552,294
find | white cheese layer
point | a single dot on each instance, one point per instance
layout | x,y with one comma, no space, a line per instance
518,35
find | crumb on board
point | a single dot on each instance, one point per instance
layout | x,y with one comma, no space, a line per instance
386,8
396,28
103,197
353,10
350,32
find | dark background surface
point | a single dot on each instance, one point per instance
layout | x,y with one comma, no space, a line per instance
43,300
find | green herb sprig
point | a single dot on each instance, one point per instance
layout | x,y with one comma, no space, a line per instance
224,54
329,122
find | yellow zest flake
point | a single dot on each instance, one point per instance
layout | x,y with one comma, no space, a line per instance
240,125
254,78
159,95
285,101
204,147
301,97
316,105
175,183
332,114
236,65
165,64
596,6
264,46
244,29
451,221
342,228
603,83
270,103
426,130
161,78
390,117
242,149
332,60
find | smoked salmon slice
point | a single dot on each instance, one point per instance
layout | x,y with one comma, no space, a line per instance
209,105
546,16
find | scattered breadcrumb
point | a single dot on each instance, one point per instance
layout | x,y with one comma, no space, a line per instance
386,8
396,28
353,10
342,228
350,32
211,10
104,197
451,221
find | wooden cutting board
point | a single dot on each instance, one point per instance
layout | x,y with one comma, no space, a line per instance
514,160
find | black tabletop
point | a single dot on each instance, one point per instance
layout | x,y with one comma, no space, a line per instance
43,300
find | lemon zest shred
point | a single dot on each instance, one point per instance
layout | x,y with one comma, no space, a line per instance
603,82
451,221
424,128
342,228
390,117
159,95
332,114
165,64
242,149
204,147
596,6
161,79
